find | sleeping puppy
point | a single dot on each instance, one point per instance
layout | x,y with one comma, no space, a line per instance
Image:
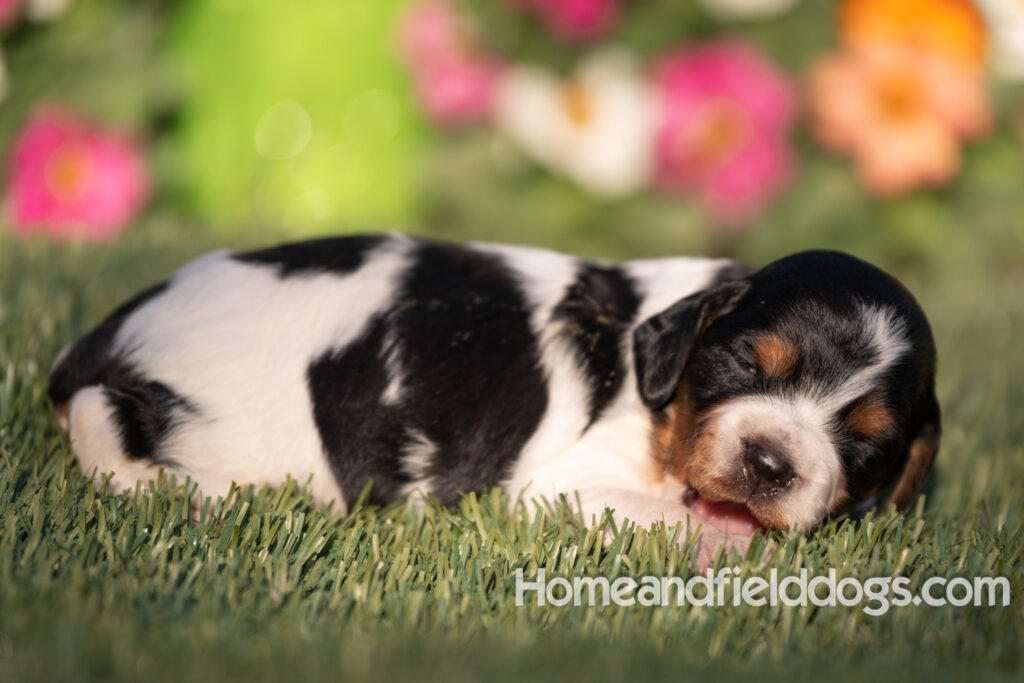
678,390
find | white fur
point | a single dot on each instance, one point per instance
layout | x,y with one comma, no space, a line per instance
613,454
417,460
805,439
393,366
236,340
96,442
665,281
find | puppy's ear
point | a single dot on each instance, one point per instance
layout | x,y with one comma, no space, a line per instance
920,458
662,343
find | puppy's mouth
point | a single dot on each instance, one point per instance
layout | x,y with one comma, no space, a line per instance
727,516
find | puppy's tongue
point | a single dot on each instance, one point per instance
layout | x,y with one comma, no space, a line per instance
732,518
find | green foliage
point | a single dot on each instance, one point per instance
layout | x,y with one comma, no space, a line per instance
101,587
347,153
99,59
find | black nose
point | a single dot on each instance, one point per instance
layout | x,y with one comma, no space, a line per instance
768,471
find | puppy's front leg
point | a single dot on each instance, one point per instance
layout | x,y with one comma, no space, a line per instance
646,511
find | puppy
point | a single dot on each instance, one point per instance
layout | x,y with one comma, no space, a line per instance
677,390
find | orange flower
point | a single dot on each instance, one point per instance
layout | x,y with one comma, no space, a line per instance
950,28
899,112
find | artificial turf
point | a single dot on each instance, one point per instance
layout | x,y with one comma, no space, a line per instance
95,586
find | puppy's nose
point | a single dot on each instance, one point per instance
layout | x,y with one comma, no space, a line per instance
768,471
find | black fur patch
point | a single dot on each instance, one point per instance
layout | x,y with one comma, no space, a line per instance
145,410
363,439
471,380
86,362
473,383
328,254
597,310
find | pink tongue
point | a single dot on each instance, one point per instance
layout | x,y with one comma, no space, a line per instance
732,518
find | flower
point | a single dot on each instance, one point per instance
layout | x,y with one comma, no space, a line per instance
10,11
899,112
726,113
596,129
429,32
953,29
458,93
1006,22
746,9
575,20
69,179
455,82
47,10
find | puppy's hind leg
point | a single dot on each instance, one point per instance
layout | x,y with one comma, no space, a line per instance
98,443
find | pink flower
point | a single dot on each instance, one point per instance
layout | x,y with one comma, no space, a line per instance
899,112
575,20
10,10
68,179
457,93
726,113
429,32
454,81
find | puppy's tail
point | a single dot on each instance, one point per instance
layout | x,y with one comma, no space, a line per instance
90,360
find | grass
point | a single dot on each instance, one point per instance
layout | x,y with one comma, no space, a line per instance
101,587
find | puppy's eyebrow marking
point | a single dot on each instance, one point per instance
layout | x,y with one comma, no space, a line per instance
870,418
776,355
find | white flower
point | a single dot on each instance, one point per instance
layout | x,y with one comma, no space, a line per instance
1006,24
597,129
47,10
746,9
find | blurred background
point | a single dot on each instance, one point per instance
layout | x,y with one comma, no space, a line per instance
136,134
616,128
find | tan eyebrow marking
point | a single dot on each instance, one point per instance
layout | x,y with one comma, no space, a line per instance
776,356
871,418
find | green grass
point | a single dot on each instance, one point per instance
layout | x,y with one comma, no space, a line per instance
102,587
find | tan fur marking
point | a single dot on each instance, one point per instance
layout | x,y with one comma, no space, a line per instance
776,356
63,418
920,459
871,418
675,436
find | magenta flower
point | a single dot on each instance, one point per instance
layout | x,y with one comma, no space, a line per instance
429,31
68,179
726,114
575,20
457,93
454,80
10,10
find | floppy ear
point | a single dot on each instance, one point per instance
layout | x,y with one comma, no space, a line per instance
920,459
662,343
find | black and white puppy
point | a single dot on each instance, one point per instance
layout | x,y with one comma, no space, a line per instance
674,389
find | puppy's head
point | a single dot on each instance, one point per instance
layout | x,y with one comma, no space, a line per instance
803,389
